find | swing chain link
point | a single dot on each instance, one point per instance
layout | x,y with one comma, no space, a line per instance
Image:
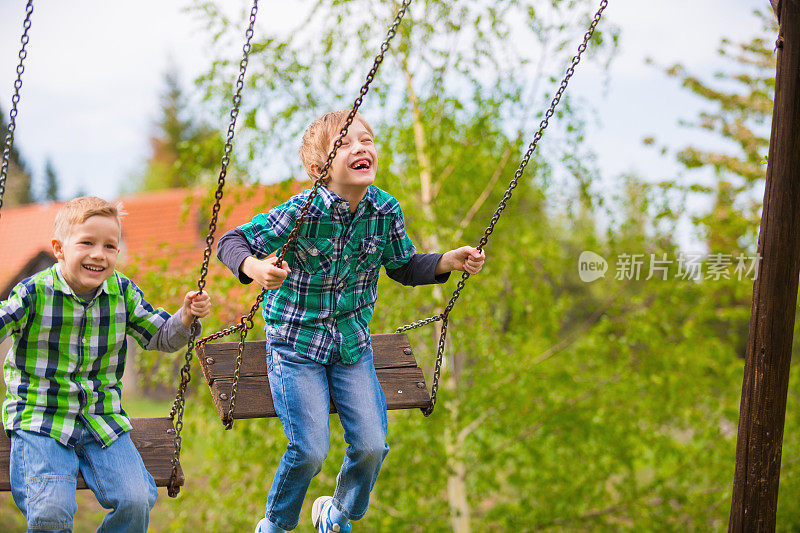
318,182
12,122
419,323
245,325
176,414
501,206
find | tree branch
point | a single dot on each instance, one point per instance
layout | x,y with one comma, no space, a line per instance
472,426
572,337
445,173
483,196
419,137
623,506
533,428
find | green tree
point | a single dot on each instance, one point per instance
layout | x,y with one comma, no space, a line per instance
185,151
741,101
740,104
50,182
566,406
18,181
461,82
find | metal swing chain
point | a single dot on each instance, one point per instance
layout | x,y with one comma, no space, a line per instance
501,206
246,322
12,123
176,414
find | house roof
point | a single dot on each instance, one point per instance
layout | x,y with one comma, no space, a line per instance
25,231
169,224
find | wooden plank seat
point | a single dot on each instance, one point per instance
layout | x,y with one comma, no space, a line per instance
153,437
401,379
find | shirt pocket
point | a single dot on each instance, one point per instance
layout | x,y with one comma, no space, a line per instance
314,255
369,253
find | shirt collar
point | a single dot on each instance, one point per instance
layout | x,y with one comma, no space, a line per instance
329,198
109,286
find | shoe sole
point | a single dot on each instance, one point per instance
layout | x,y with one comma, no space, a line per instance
316,512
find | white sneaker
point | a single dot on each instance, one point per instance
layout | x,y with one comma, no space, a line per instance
265,526
321,517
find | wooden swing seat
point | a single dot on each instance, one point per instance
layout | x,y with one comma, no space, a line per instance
153,437
401,379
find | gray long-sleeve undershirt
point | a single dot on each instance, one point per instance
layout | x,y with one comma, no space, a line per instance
233,249
171,336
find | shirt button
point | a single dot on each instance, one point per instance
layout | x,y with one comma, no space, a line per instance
346,257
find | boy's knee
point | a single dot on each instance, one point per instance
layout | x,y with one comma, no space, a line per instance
136,501
50,502
313,459
135,505
310,459
373,452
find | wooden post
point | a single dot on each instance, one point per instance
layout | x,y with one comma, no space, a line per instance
766,371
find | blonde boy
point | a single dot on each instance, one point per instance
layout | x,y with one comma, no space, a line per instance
63,374
318,314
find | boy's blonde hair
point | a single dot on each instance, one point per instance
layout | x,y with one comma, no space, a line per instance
318,137
78,210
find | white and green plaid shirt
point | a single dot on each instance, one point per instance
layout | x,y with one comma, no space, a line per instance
324,306
64,370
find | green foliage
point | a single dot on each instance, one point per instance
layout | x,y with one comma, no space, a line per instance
185,151
18,186
741,101
50,182
564,405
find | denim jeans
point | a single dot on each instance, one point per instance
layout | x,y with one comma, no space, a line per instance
44,475
301,391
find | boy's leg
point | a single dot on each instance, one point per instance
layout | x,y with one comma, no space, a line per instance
43,476
361,405
120,481
301,398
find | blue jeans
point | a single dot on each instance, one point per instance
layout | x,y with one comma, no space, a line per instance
44,475
301,392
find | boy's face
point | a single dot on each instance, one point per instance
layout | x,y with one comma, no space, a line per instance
89,255
353,169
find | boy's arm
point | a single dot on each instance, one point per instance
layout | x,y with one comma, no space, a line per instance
258,238
171,336
14,311
143,321
420,270
466,258
175,332
232,250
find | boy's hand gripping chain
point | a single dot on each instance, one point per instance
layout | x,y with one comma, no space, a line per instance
246,322
502,205
12,122
176,414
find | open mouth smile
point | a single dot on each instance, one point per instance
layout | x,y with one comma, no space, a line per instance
92,268
361,164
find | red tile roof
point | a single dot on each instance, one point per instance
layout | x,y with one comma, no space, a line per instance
165,225
24,232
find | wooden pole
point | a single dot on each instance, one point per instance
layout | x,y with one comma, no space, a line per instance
766,371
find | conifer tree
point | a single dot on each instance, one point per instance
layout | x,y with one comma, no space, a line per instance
18,182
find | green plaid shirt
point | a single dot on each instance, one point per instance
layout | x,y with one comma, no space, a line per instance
324,307
64,369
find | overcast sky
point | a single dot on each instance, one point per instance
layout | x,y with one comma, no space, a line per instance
95,69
